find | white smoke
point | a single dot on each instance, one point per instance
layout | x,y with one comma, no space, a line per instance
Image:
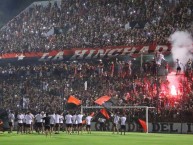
182,46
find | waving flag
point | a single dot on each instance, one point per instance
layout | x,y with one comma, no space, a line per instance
74,100
72,103
143,124
105,113
102,100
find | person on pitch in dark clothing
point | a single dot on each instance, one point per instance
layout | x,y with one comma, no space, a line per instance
102,124
47,125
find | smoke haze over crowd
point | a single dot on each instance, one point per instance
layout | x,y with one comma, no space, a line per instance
181,46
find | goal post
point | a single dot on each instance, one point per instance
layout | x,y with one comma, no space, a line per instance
123,107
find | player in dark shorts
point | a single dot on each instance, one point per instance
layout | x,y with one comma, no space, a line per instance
11,118
20,118
123,123
47,125
68,119
74,123
79,120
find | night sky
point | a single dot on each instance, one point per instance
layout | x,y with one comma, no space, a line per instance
10,8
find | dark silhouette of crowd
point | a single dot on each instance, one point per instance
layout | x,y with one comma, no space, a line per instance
94,23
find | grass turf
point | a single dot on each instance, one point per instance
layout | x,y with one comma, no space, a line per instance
97,138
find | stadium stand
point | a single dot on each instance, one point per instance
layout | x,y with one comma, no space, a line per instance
47,87
45,26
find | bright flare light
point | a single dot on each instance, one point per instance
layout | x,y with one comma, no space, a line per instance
173,90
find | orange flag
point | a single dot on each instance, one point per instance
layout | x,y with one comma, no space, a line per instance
74,100
102,100
143,124
105,113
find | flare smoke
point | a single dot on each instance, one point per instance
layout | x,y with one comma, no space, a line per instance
182,46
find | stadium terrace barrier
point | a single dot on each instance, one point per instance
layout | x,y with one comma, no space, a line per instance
87,53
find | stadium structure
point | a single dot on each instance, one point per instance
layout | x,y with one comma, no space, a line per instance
137,54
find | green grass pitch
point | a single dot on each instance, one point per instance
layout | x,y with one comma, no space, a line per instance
97,138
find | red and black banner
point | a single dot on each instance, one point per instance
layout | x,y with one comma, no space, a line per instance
88,53
72,103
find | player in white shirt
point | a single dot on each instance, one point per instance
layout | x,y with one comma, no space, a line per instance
61,121
52,122
88,123
39,122
32,123
68,119
11,118
79,121
20,118
74,123
123,123
57,123
116,123
29,119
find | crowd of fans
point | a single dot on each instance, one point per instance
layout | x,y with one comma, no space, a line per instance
95,23
47,86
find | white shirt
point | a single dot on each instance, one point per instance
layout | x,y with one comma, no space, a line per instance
28,118
20,118
74,121
79,118
52,119
68,119
32,116
61,119
116,119
88,120
11,117
57,118
178,63
159,59
43,115
24,118
39,118
123,120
